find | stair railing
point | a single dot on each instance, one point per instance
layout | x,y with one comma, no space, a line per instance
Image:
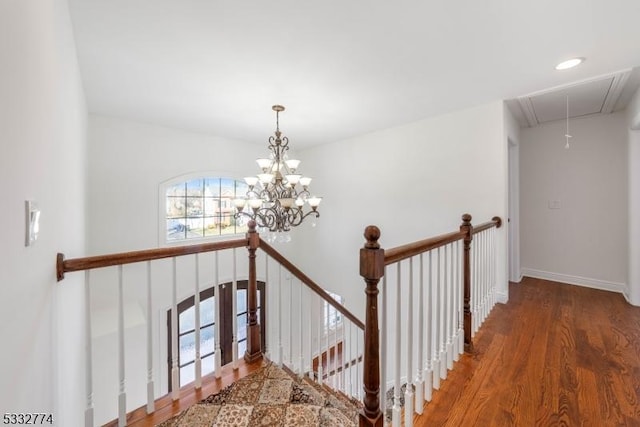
302,331
456,289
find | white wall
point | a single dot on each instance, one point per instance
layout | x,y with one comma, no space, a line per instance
412,181
585,241
42,132
633,145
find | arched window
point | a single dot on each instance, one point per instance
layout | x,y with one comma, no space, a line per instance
200,207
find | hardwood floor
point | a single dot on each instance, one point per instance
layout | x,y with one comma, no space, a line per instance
166,408
554,355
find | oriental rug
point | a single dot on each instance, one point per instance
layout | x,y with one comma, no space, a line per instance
270,396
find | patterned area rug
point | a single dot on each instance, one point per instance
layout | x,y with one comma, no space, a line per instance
270,397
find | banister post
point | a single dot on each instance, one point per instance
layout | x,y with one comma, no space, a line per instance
467,228
253,352
371,269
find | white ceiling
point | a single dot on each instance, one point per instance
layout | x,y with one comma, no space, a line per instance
342,68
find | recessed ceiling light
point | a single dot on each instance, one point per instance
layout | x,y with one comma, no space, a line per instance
569,63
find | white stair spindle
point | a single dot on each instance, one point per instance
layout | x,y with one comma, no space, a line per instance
234,315
290,359
267,309
428,372
198,323
122,396
88,413
320,334
460,300
383,346
474,284
455,287
280,308
398,357
150,394
218,304
175,339
309,300
434,274
419,382
301,341
408,393
442,279
448,272
359,384
349,358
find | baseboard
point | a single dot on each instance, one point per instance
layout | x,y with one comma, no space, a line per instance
502,297
576,280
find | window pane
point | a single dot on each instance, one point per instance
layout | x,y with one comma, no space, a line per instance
187,348
211,227
195,188
176,229
211,206
227,188
208,363
242,327
175,207
207,340
241,301
187,374
187,320
194,206
227,224
212,187
177,190
207,311
241,188
242,348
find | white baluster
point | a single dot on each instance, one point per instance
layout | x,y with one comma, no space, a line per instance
88,413
320,332
280,348
122,396
448,272
301,361
234,315
474,284
290,360
455,287
267,309
435,317
493,267
175,339
328,330
442,279
460,299
408,393
419,381
198,322
383,347
150,394
309,323
428,372
360,385
349,385
398,350
218,300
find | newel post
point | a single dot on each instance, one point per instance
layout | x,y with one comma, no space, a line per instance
253,352
371,269
467,228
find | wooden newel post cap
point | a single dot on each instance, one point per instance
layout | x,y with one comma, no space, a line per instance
252,226
466,219
372,234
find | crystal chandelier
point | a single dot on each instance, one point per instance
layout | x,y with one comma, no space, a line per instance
276,197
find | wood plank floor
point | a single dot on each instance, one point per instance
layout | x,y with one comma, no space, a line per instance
555,355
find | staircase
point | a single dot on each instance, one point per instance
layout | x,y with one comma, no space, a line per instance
271,396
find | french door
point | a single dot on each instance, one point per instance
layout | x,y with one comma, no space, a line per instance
208,307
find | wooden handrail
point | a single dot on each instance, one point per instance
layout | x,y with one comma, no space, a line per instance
273,253
409,250
87,263
496,222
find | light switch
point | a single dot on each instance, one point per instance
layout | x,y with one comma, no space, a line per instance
554,204
32,222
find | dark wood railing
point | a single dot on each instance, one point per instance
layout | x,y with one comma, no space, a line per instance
373,260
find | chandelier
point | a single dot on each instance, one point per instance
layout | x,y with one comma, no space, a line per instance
277,197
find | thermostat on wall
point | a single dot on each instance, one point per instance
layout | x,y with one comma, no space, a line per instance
32,220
